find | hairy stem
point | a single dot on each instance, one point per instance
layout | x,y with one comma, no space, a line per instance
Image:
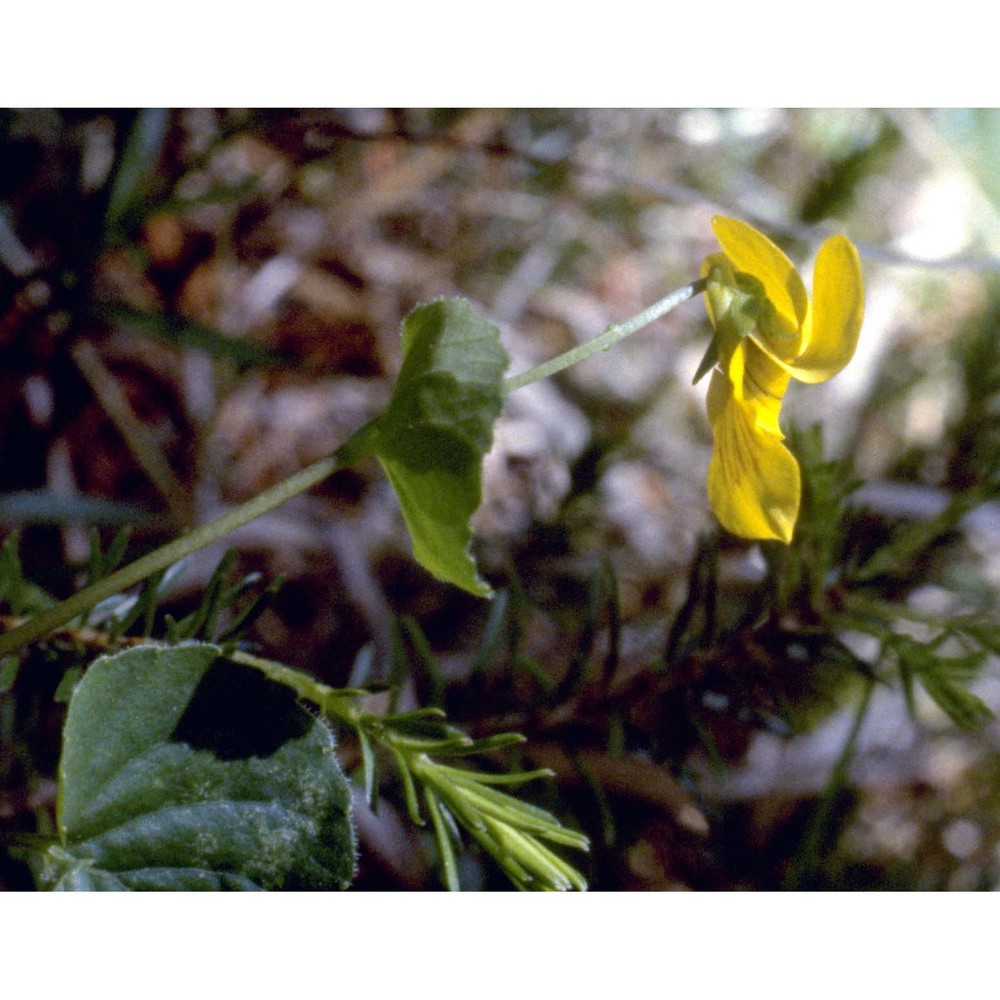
610,337
159,559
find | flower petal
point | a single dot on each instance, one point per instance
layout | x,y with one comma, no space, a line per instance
754,483
764,386
756,380
830,333
754,254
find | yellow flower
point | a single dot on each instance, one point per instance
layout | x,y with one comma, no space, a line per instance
766,332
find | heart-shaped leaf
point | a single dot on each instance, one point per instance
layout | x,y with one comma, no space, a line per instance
184,770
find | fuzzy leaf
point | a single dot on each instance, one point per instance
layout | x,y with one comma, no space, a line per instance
184,770
437,429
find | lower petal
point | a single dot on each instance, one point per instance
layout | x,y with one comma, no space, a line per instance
751,378
764,385
754,483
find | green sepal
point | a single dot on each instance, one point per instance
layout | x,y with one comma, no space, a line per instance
709,361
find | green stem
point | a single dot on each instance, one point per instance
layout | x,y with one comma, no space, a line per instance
610,337
337,703
159,559
818,829
356,447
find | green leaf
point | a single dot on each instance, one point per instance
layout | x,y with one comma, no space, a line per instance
137,162
184,770
438,427
896,558
47,507
443,835
20,595
509,830
960,705
245,354
9,667
944,678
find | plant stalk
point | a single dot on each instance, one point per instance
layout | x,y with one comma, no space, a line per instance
159,559
807,860
356,447
606,340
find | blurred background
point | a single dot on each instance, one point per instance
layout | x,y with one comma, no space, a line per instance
196,303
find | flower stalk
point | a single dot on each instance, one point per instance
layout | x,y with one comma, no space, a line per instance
355,448
766,333
611,336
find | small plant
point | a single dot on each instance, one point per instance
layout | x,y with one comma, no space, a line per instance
188,761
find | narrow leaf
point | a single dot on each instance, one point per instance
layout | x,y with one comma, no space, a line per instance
138,160
245,354
443,837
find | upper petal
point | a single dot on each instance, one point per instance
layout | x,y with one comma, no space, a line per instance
753,253
754,483
830,333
